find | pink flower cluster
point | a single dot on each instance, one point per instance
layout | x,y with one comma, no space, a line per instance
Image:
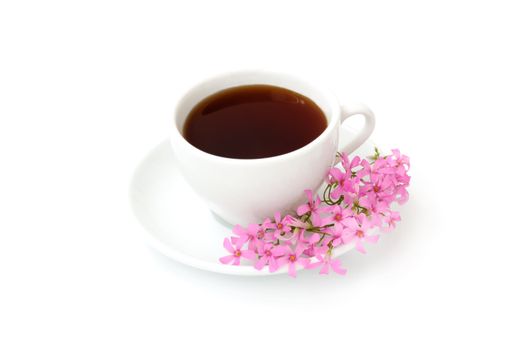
357,198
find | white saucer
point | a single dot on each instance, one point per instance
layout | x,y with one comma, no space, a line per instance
178,224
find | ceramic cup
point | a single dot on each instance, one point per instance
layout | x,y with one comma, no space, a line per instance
243,191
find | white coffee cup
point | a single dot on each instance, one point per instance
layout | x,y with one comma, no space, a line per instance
243,191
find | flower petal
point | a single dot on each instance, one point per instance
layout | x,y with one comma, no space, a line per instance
299,249
302,209
281,261
315,219
291,270
325,269
348,221
239,230
279,251
240,241
248,254
226,259
335,265
360,247
227,245
305,262
314,238
273,266
371,239
261,263
336,173
253,229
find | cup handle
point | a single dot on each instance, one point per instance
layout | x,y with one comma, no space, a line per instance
348,111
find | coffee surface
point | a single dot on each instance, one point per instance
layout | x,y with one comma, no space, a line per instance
253,121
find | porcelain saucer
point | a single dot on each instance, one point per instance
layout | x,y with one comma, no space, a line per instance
178,224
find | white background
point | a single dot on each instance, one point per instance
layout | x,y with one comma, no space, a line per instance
87,88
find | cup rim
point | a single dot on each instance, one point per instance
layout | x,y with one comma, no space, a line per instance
326,94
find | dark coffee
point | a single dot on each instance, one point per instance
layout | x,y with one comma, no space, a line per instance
253,121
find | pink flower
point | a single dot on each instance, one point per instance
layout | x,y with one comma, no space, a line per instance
339,235
401,194
366,169
236,252
342,180
381,187
351,197
401,163
312,207
312,247
281,226
376,209
345,160
391,218
269,253
360,235
247,235
382,166
340,216
327,262
292,258
349,165
263,233
346,163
